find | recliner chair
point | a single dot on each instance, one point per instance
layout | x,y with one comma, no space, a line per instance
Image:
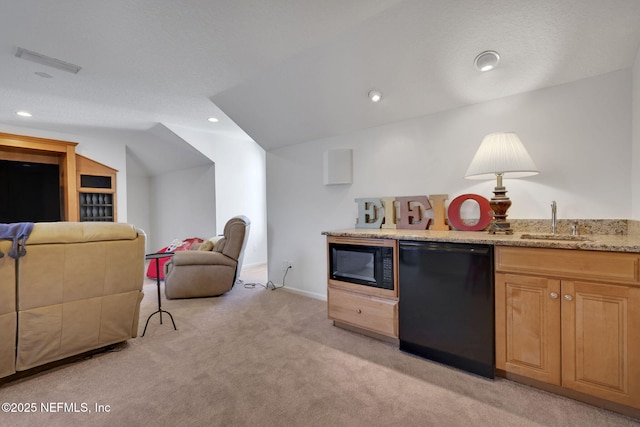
194,274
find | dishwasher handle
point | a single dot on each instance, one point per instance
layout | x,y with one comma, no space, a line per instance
465,248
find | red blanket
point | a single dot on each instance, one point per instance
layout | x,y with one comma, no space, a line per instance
175,246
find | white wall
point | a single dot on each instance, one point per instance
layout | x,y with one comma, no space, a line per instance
636,139
240,184
578,134
139,199
183,205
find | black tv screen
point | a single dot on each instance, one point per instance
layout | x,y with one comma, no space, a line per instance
29,192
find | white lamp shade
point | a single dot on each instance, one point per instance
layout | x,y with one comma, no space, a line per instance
501,153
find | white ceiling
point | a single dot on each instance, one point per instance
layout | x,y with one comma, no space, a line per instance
290,71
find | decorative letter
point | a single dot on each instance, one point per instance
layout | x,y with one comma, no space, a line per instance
389,204
411,212
368,213
456,220
439,223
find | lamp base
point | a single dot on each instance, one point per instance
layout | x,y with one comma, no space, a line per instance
500,227
500,203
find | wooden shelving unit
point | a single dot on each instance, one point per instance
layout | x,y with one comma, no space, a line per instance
96,190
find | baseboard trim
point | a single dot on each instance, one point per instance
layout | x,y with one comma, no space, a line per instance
305,293
254,265
591,400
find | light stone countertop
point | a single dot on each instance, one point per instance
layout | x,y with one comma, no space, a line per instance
595,242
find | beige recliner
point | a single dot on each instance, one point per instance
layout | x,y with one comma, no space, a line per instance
196,273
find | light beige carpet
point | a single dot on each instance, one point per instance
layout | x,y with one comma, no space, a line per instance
256,357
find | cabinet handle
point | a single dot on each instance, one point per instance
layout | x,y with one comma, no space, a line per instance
358,311
568,297
553,295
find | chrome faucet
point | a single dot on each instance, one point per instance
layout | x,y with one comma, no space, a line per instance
575,231
554,226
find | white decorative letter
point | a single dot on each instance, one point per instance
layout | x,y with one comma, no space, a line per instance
389,204
368,213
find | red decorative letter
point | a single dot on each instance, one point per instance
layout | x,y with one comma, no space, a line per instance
456,220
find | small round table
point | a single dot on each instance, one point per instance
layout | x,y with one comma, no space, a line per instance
156,256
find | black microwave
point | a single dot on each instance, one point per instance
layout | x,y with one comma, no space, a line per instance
368,265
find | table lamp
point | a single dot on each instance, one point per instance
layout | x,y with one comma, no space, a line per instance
501,155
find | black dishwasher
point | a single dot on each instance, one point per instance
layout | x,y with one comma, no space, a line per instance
446,307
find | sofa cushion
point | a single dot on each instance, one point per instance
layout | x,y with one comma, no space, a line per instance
53,332
78,232
58,273
8,325
7,280
207,245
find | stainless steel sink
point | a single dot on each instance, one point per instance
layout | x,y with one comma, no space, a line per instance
562,237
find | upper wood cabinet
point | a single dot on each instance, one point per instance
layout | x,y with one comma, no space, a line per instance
554,326
96,190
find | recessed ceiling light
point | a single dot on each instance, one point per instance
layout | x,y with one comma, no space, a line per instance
23,113
375,96
213,120
487,60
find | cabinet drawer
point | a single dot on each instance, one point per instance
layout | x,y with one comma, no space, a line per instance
375,314
571,264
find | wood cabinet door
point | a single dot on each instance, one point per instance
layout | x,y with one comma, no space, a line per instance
601,345
528,326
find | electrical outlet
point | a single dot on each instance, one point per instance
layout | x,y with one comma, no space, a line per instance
286,265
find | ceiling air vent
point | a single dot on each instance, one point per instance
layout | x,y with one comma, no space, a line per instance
47,60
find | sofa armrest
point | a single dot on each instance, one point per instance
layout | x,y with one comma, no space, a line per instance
201,258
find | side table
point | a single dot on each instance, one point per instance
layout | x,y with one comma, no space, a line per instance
159,311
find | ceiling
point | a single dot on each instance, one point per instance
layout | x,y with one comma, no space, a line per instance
284,72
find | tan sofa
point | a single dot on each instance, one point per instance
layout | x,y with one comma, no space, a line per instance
78,288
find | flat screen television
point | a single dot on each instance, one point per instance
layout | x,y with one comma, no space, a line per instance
29,192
